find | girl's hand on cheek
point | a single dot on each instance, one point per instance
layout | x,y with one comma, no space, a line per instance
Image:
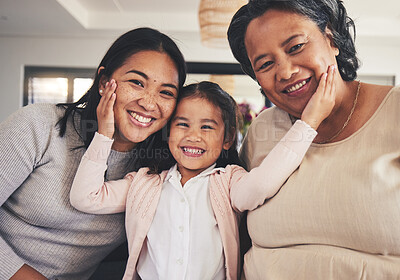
105,112
322,102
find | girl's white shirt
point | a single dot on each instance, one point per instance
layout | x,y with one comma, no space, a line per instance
180,244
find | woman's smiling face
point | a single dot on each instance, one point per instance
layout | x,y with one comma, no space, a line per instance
289,54
147,88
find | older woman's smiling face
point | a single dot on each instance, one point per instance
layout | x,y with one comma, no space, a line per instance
288,53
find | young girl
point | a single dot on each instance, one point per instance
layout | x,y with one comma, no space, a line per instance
180,221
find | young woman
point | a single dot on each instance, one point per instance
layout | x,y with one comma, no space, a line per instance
330,221
42,235
180,218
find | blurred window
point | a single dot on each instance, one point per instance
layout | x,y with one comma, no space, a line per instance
56,85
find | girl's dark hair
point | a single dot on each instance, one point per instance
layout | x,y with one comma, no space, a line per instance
134,41
213,93
325,13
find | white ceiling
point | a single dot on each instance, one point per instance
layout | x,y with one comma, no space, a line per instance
103,18
95,17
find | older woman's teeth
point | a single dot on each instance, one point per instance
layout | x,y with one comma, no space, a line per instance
140,118
193,151
296,87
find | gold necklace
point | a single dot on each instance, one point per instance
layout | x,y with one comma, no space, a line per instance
348,118
293,119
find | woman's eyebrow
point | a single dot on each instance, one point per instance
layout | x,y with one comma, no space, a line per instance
171,86
139,73
146,78
284,43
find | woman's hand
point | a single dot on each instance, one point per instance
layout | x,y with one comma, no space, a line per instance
322,102
105,112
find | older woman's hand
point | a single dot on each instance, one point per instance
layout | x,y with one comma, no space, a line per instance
105,110
322,102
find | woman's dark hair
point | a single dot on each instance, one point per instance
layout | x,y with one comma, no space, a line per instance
213,93
325,13
134,41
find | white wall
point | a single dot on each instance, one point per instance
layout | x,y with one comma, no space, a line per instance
378,57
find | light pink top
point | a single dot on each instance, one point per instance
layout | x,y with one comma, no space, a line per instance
230,188
338,215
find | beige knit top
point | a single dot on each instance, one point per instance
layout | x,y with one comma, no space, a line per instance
338,214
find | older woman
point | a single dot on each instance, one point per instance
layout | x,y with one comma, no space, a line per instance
338,215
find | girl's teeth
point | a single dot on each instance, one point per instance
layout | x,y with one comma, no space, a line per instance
193,151
140,118
296,87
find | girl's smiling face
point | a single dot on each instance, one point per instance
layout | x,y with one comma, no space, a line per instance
147,89
196,136
289,54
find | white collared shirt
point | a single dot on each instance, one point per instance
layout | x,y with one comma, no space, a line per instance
184,240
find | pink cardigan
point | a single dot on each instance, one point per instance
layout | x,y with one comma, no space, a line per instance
231,188
141,205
